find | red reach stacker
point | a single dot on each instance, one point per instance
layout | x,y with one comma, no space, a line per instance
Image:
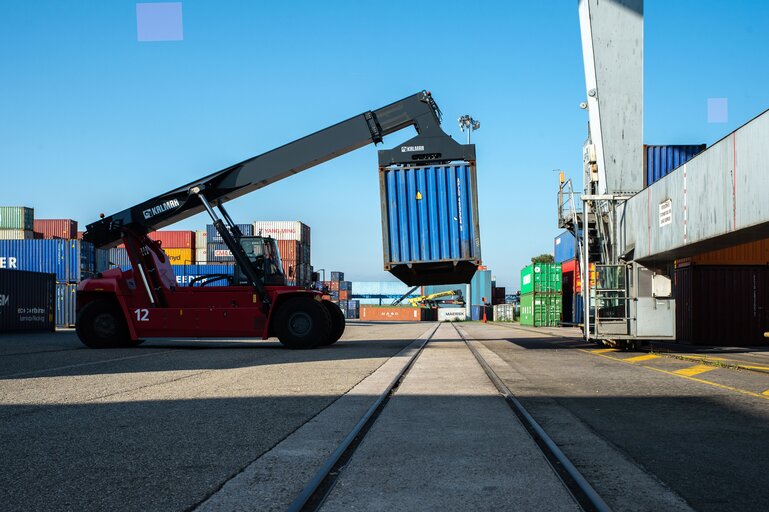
120,308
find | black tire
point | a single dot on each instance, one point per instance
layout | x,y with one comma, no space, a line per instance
301,323
337,323
101,324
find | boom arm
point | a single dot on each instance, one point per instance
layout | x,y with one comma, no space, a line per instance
418,110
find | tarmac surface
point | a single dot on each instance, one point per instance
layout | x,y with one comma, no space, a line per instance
243,425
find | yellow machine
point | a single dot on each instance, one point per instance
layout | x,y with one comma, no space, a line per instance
429,300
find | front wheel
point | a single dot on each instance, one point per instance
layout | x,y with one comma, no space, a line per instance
337,323
302,323
101,324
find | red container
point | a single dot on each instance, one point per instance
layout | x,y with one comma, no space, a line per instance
345,294
55,228
290,250
333,285
722,305
570,277
80,235
174,239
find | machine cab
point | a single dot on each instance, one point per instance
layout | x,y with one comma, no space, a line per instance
264,255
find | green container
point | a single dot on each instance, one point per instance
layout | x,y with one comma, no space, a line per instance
541,309
541,277
17,217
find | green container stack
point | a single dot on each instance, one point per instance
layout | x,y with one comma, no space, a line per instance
541,295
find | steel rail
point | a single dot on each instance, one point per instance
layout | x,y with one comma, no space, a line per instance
584,494
317,490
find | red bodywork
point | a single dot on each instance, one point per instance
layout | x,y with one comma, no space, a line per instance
188,312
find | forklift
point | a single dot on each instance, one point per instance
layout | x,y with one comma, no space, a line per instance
122,308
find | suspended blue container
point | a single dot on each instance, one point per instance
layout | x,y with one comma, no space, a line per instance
430,228
659,161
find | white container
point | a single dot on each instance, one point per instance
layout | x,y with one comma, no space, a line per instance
16,234
283,230
201,239
200,253
451,314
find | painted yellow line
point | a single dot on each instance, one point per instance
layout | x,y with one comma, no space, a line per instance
602,350
638,359
741,363
765,392
695,370
715,385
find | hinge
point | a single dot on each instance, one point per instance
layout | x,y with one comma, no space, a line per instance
373,127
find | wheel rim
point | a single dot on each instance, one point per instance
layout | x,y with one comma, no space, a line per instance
104,325
300,324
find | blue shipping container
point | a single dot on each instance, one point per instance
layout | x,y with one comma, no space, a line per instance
219,253
213,237
565,247
65,304
430,214
71,260
186,273
659,161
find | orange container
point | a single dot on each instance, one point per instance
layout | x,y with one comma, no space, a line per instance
753,253
385,314
333,285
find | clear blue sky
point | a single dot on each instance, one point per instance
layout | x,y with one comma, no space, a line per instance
91,120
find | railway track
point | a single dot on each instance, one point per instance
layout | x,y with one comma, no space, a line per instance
314,494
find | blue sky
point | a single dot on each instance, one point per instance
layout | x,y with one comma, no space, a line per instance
92,120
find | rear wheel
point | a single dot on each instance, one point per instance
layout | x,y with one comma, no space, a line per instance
337,322
302,323
101,324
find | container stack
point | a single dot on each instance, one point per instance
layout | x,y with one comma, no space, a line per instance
16,223
340,293
566,253
51,229
541,295
216,251
295,250
179,246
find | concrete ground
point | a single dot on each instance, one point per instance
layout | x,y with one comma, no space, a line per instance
622,417
243,425
164,426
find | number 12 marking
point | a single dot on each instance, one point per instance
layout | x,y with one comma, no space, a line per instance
142,315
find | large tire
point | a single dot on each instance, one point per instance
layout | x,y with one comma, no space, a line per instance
337,323
301,323
101,324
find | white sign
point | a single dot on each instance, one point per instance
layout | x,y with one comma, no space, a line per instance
451,314
666,212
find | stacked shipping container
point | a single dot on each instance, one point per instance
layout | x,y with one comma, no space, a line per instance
16,223
541,295
566,253
340,293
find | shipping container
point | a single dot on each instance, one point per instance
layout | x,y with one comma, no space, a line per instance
401,314
284,230
476,313
381,292
213,237
118,257
504,313
201,258
65,304
26,301
55,228
452,314
70,260
17,234
333,285
174,239
480,288
659,161
345,294
430,228
188,273
497,294
290,250
218,253
541,277
337,276
180,256
541,309
722,305
570,277
201,239
565,247
17,217
753,253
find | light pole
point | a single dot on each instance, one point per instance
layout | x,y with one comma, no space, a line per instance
468,123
